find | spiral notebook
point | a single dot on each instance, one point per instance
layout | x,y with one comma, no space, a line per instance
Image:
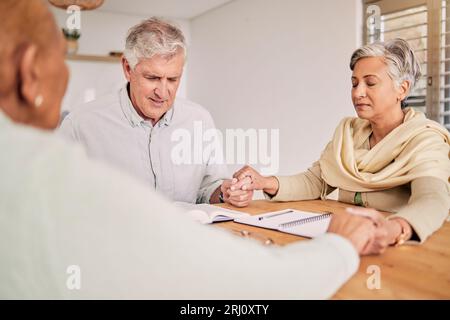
300,223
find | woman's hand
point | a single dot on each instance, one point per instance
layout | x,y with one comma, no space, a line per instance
387,231
257,181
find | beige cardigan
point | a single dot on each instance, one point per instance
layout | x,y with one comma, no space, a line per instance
424,202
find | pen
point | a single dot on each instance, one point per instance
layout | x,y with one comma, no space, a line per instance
274,215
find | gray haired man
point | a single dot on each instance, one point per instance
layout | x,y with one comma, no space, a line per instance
134,128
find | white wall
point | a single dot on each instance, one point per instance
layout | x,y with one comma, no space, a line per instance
102,32
277,64
263,64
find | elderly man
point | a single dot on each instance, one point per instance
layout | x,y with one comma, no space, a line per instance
134,128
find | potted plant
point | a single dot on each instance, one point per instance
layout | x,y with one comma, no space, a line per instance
72,36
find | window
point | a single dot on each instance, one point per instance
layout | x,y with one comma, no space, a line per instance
445,62
425,24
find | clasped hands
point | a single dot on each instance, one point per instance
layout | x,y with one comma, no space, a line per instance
367,229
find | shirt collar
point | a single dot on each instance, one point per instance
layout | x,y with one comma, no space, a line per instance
134,118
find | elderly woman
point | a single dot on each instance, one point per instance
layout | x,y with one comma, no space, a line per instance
388,158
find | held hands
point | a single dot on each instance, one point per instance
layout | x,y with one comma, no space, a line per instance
366,228
234,195
239,190
357,229
250,179
386,231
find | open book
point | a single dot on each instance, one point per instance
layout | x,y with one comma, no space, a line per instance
205,213
301,223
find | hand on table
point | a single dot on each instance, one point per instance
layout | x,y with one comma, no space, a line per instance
234,195
386,232
357,229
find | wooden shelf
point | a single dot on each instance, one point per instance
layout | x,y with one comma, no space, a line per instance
92,58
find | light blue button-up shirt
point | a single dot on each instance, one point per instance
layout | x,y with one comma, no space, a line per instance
111,130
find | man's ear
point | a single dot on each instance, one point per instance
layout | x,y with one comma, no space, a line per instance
126,69
28,75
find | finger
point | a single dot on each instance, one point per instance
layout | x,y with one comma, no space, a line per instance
243,203
240,183
376,248
371,241
237,193
243,175
248,187
225,185
240,198
239,204
368,248
372,214
240,171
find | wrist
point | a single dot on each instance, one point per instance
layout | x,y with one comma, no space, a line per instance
271,185
221,197
395,229
403,232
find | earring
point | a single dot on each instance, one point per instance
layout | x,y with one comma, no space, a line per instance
38,101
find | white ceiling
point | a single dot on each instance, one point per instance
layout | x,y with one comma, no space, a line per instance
182,9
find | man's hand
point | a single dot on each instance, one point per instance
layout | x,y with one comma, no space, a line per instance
359,230
236,196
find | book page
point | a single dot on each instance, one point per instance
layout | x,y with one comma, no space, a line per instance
206,213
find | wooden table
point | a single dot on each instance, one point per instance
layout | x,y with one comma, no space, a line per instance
407,272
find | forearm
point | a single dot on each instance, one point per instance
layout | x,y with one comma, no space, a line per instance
308,270
313,269
271,186
427,208
307,185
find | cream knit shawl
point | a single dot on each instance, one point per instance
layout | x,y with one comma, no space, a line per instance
417,148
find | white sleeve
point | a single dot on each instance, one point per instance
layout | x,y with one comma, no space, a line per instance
129,242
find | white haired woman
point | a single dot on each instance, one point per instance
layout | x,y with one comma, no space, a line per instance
389,158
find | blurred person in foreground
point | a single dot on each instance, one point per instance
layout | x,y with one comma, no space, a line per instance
59,209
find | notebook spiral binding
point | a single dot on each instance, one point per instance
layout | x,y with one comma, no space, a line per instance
305,220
